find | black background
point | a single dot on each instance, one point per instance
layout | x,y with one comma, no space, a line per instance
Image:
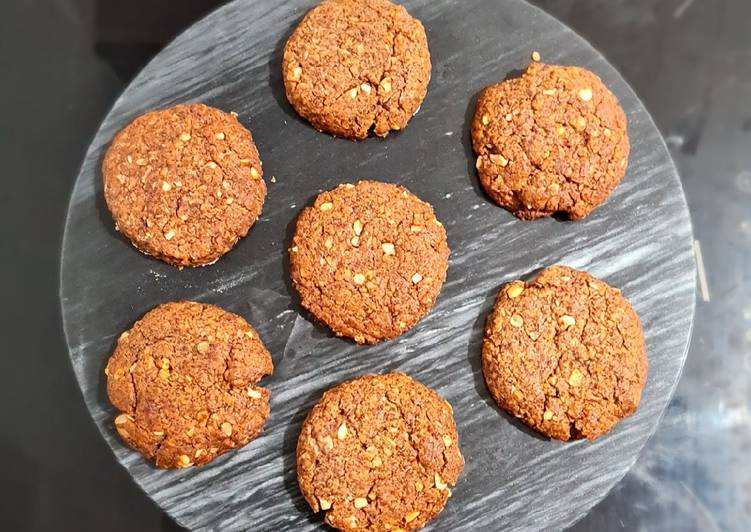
62,64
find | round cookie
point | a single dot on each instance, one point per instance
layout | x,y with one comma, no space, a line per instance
565,354
553,141
184,184
377,453
368,260
184,378
352,66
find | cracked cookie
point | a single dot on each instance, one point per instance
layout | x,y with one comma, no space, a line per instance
379,452
565,354
184,184
352,66
553,141
184,379
368,260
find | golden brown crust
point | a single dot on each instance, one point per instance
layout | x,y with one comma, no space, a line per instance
356,65
379,452
184,183
368,260
554,140
565,354
184,379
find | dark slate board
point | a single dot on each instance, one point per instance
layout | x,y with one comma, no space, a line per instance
640,241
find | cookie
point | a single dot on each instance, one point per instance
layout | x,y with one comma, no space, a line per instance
353,66
553,141
184,184
565,354
377,453
184,379
368,260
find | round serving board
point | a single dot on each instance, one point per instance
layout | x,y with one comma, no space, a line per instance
639,241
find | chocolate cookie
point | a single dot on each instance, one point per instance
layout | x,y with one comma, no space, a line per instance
356,65
184,183
379,453
553,141
184,378
565,354
368,260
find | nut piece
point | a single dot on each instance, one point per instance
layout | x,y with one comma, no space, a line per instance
360,502
365,88
185,137
515,290
166,186
516,320
219,136
485,120
203,347
386,84
122,419
169,235
341,433
388,248
358,278
183,460
497,158
536,56
576,377
548,415
447,440
324,504
327,206
255,394
585,94
439,483
357,227
296,73
411,516
416,278
353,93
566,321
227,428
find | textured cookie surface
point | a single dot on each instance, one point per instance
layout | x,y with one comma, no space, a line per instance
185,380
368,260
565,354
379,453
554,140
184,183
356,65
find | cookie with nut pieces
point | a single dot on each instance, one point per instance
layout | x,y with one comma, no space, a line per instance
379,452
185,380
368,260
565,354
553,141
355,66
184,184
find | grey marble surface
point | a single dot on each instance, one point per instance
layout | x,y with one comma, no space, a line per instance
640,241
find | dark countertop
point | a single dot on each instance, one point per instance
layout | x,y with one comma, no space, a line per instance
63,63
